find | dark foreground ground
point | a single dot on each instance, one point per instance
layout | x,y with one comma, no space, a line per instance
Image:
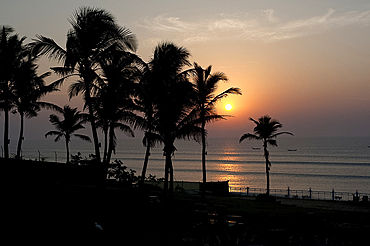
54,214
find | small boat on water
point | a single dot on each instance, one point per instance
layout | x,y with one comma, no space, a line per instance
292,149
256,148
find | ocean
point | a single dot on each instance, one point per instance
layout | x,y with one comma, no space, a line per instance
319,163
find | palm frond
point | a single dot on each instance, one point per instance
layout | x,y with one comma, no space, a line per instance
151,139
47,105
76,88
249,136
63,71
47,46
128,39
230,91
272,142
54,119
255,121
280,133
214,118
54,133
44,75
126,129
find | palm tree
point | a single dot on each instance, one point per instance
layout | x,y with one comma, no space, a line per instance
94,34
72,121
174,101
115,96
28,88
146,93
205,86
12,52
265,130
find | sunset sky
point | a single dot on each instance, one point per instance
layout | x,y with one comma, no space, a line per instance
306,63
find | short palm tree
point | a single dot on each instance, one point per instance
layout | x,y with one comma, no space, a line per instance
265,130
71,122
205,86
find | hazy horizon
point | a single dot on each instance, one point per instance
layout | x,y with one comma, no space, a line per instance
305,63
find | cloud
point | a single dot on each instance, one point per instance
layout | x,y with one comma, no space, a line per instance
265,28
269,13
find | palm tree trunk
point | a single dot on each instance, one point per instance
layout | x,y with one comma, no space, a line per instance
95,134
145,166
168,179
266,154
6,131
170,193
111,144
166,173
204,160
88,81
67,148
105,145
20,139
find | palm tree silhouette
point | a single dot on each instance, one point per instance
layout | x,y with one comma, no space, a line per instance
94,34
145,105
115,97
173,103
28,89
265,130
12,52
71,122
205,86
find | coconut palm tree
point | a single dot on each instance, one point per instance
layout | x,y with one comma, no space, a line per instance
12,52
205,86
115,97
28,88
72,121
94,33
265,130
173,103
144,101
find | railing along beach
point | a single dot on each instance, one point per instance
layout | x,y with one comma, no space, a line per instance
303,194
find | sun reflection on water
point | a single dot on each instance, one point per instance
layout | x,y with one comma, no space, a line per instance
228,171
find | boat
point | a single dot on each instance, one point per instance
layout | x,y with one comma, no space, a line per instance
292,149
256,148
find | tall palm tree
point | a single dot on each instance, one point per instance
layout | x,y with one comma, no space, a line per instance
115,96
174,101
205,86
71,122
144,101
94,33
28,89
265,130
12,52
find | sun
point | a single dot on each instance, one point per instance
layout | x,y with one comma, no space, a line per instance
228,106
